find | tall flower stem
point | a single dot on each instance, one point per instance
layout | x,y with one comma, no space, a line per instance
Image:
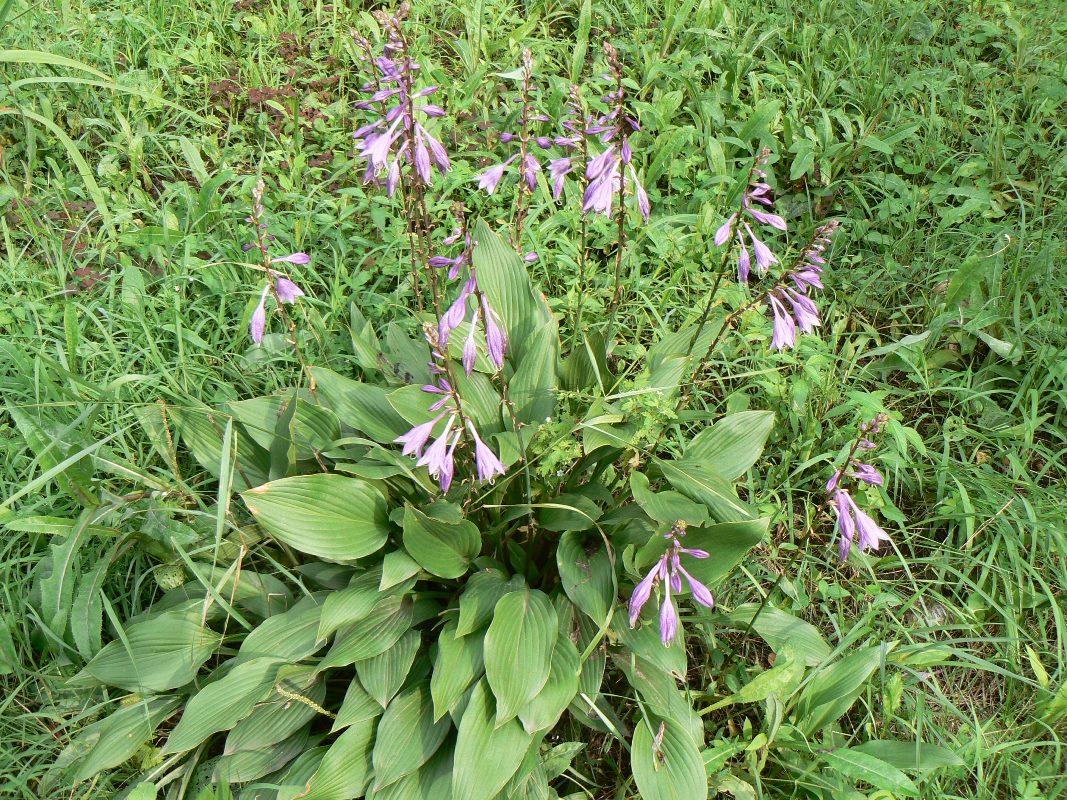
616,296
524,144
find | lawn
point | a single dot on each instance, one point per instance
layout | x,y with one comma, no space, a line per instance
220,576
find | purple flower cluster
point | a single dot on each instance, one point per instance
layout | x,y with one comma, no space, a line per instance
398,136
285,291
495,338
439,456
791,306
528,164
851,519
575,123
756,194
668,573
611,173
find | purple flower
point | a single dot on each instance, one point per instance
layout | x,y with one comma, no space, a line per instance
490,179
785,332
558,170
448,466
415,439
287,291
867,474
496,340
259,317
832,483
852,519
530,257
292,258
668,620
488,465
643,591
437,453
668,572
470,348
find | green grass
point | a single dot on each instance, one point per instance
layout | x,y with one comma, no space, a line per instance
935,130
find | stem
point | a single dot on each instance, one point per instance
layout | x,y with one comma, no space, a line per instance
711,296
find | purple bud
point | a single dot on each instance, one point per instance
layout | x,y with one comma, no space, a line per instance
496,340
488,465
530,257
293,258
723,233
259,318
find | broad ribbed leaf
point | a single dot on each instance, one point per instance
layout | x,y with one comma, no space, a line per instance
290,636
480,595
533,386
313,427
350,604
331,516
518,649
407,736
164,652
779,629
487,755
587,574
342,773
362,406
201,429
115,738
222,704
836,686
384,674
670,768
733,444
442,548
278,717
918,756
504,279
459,663
703,484
544,711
374,634
667,507
356,707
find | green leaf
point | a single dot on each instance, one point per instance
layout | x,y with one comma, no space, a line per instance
918,756
201,429
442,548
278,717
459,663
502,276
863,767
667,507
113,740
480,596
362,406
487,754
161,653
407,736
533,386
587,574
733,444
222,704
518,649
350,604
290,636
384,674
780,629
313,427
780,681
836,686
666,764
326,515
373,634
544,711
706,486
343,771
356,707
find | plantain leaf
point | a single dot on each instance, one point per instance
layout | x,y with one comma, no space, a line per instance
222,704
487,754
733,444
407,736
666,764
326,515
161,653
518,649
